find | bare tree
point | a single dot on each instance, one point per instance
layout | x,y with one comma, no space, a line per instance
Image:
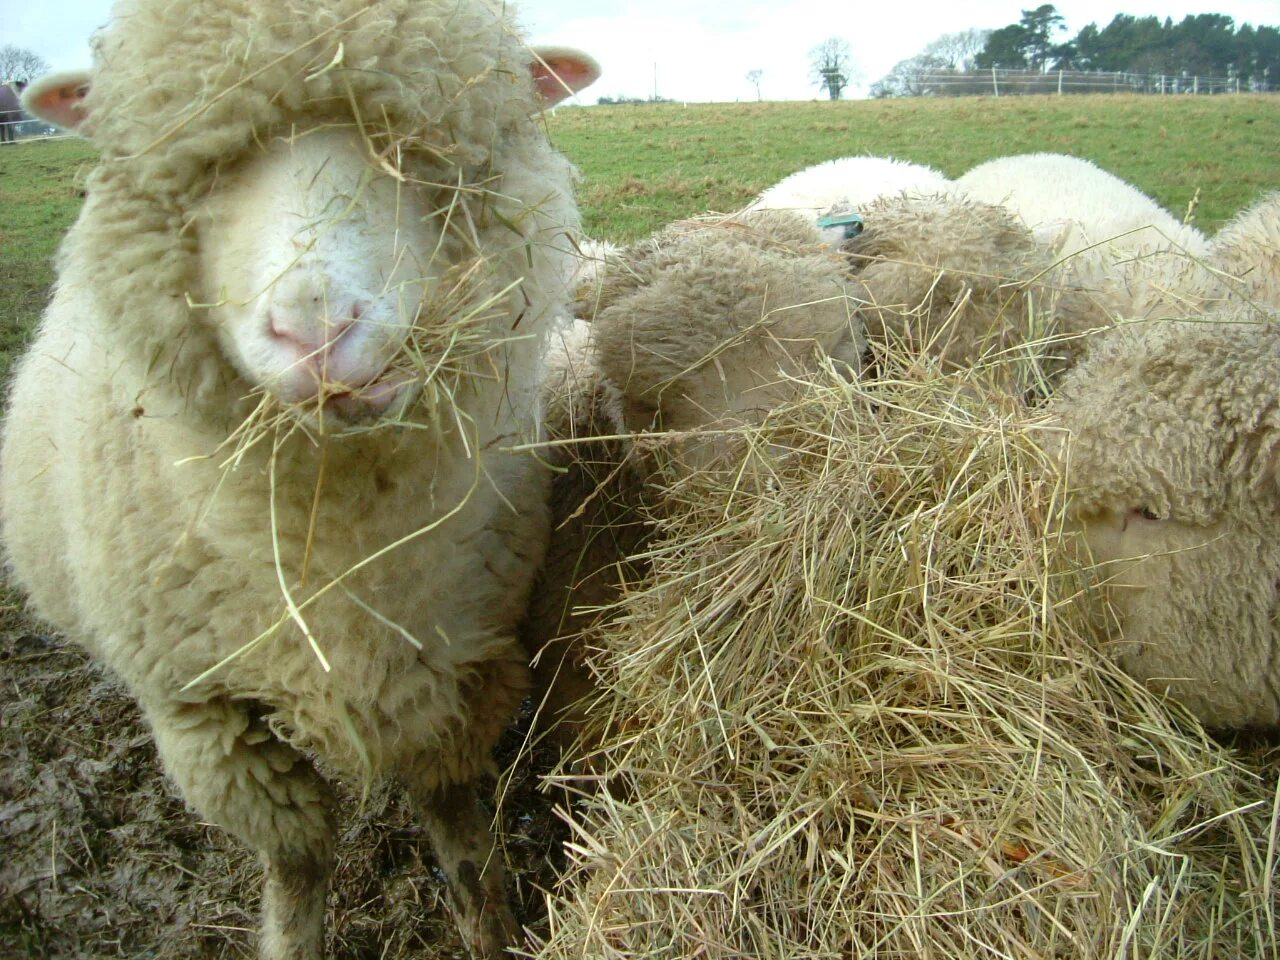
753,77
832,66
957,51
911,78
19,64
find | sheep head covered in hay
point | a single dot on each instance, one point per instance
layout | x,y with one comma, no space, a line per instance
422,106
959,280
699,329
860,711
710,320
257,458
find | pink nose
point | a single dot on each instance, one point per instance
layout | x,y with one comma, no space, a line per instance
308,317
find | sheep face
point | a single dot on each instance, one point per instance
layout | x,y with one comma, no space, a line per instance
1174,438
315,264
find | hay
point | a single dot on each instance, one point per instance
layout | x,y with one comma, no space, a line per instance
860,708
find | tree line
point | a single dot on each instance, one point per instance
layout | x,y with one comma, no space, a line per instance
1207,44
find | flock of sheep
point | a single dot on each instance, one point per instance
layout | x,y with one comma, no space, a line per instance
268,456
1154,344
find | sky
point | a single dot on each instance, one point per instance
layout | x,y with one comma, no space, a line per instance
695,51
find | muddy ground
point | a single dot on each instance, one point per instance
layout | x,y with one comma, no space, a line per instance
99,858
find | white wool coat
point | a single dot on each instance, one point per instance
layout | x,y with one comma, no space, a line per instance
407,552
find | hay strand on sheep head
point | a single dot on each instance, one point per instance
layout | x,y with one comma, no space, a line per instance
861,710
459,332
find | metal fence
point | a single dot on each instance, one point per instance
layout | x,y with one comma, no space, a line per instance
1001,83
29,130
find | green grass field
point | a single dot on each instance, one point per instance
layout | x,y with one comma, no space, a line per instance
643,166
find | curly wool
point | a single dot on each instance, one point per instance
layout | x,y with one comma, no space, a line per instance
178,93
1174,445
948,276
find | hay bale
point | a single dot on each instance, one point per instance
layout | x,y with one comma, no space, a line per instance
862,711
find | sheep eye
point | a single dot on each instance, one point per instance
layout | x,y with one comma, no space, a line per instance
1148,514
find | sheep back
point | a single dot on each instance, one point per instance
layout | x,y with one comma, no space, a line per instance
1248,250
1071,203
850,183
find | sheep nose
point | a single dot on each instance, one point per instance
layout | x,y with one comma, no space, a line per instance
308,315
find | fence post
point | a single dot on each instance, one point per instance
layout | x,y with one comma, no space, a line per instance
995,84
1162,83
1195,84
1059,83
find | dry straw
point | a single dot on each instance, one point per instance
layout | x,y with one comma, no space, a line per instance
862,708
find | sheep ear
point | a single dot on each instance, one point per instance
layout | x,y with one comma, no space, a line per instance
559,72
58,98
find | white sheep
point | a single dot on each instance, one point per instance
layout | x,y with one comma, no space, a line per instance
700,329
1247,250
1070,204
1174,445
950,277
254,459
847,185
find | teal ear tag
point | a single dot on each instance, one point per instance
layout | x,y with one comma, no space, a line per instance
851,222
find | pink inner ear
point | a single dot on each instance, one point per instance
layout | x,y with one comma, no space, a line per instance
62,104
565,72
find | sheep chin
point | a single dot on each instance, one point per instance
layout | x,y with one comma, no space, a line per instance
385,402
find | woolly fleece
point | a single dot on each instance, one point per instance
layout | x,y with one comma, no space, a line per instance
947,276
1174,438
133,528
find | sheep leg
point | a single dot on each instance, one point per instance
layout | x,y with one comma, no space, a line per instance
235,773
465,850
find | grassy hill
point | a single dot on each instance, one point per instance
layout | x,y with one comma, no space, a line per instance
645,165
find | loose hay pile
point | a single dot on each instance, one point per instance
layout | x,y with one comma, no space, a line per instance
860,709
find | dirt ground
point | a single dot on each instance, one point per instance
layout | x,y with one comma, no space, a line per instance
99,858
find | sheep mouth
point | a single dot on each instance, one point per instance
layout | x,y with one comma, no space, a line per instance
382,399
